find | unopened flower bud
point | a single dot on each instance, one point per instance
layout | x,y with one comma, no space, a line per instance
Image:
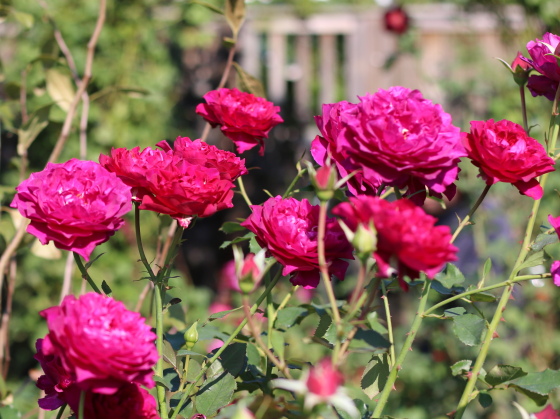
520,70
323,180
364,239
249,269
191,336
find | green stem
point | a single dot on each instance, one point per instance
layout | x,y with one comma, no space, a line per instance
389,323
403,352
468,217
327,279
139,242
243,191
483,289
523,108
293,184
254,308
61,411
162,403
81,405
85,274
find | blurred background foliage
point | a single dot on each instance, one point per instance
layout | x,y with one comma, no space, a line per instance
154,61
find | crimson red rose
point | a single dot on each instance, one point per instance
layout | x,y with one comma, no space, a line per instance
243,117
130,402
408,241
505,153
192,180
396,20
288,229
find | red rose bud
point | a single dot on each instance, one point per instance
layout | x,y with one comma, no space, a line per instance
249,270
324,379
364,239
396,20
324,180
520,69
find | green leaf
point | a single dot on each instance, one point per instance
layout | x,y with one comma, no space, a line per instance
485,399
60,87
231,227
235,241
29,132
502,373
324,323
234,358
375,375
451,276
371,338
160,380
483,297
8,412
208,6
454,312
539,382
278,343
169,354
289,316
248,83
373,320
253,355
539,399
543,240
215,393
222,314
469,329
185,352
235,15
26,20
106,288
461,367
533,259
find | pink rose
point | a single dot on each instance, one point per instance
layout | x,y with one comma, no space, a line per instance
394,138
192,180
407,237
548,413
56,382
288,229
244,118
544,61
228,278
78,205
129,402
505,153
100,343
324,379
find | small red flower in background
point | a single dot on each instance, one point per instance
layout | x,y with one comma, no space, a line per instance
548,413
243,117
505,153
193,179
324,380
100,344
288,229
396,20
78,205
407,237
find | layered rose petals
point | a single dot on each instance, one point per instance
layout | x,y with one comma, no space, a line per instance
408,241
193,179
394,137
100,344
543,60
243,117
78,205
505,153
288,228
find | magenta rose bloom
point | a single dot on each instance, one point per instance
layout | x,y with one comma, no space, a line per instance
243,117
543,60
130,402
288,229
394,138
133,166
505,153
192,180
408,241
100,343
78,205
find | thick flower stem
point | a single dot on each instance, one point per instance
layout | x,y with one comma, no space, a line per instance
61,411
85,274
162,403
403,352
468,217
254,308
389,323
139,243
523,108
326,277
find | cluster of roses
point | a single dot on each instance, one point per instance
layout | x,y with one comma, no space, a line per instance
98,351
391,139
